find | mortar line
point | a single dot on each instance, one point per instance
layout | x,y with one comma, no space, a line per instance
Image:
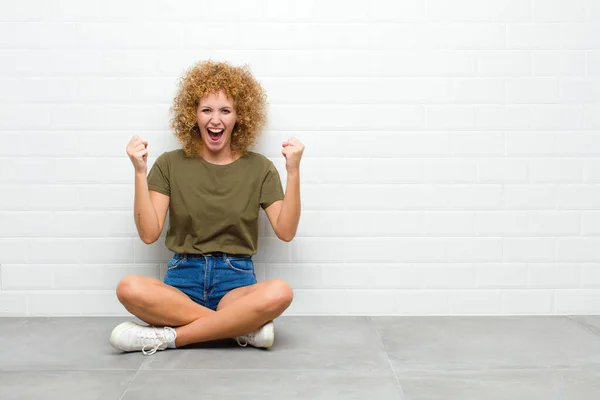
388,358
130,382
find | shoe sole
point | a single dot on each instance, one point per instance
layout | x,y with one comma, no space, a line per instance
271,334
117,332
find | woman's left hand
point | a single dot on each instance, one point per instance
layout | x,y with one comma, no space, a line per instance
292,151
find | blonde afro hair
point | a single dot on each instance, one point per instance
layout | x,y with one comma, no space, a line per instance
207,77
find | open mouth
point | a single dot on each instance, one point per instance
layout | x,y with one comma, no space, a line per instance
215,134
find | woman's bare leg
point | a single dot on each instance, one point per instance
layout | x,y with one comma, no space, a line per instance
239,312
157,303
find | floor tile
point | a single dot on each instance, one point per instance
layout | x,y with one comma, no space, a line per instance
349,343
264,385
64,385
61,344
486,342
550,384
591,322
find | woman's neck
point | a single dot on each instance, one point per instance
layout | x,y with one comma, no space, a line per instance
220,158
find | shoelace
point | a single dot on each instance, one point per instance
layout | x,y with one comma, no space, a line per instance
157,335
244,340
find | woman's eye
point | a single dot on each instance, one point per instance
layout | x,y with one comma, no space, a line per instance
205,110
226,111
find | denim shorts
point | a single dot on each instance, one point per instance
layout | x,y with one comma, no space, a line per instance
207,278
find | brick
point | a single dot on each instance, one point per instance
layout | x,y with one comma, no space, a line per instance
13,304
553,223
480,143
201,11
347,117
550,276
450,117
559,10
424,63
557,117
528,249
404,11
578,144
74,303
558,63
532,90
556,170
360,224
590,275
506,63
336,10
533,36
474,302
531,143
449,276
26,277
502,117
578,197
580,36
474,10
279,10
422,302
501,276
13,250
580,90
577,249
479,91
576,301
590,223
450,171
449,223
519,302
474,249
530,197
503,170
501,223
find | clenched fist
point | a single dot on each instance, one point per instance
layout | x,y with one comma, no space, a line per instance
292,151
137,150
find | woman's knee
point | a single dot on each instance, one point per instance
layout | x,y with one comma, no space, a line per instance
131,288
279,295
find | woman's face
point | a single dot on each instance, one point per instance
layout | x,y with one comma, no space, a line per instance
216,118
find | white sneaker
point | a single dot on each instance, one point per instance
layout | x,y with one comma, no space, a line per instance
262,337
130,336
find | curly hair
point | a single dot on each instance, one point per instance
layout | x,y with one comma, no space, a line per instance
207,77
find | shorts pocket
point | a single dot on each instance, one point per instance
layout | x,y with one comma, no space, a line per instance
244,265
174,263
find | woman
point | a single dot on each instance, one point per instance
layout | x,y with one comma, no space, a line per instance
213,188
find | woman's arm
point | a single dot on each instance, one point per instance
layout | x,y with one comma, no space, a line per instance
150,210
284,215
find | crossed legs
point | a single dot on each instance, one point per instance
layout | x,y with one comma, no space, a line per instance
240,311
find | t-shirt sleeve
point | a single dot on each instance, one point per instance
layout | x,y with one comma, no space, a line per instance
271,190
158,178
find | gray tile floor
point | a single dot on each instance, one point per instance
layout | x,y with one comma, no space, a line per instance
313,358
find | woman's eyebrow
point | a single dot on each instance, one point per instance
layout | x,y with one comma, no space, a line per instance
221,108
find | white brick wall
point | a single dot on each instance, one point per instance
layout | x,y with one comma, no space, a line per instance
452,162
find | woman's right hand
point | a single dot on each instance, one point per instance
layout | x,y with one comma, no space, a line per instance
137,150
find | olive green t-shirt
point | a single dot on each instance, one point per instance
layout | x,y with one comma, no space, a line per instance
214,208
